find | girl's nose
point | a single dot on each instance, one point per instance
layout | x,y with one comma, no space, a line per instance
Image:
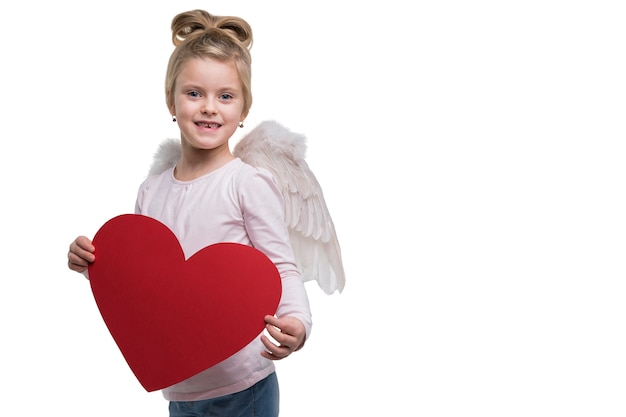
208,107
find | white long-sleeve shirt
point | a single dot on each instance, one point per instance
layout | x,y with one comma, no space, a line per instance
235,203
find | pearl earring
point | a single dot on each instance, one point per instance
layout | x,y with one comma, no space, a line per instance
173,118
240,124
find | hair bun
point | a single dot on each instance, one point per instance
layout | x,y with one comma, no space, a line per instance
194,23
239,27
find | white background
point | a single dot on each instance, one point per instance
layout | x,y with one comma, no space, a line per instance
471,153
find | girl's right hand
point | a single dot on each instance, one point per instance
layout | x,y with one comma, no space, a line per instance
81,254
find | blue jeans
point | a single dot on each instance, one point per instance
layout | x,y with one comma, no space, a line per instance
260,400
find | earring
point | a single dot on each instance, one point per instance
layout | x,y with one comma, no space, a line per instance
240,124
173,118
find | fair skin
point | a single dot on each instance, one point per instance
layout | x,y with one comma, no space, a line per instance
208,105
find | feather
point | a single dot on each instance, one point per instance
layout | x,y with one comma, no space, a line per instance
312,232
166,156
311,229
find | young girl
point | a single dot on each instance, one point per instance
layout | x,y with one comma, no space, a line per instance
210,197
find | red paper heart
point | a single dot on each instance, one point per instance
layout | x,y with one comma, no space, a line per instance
170,317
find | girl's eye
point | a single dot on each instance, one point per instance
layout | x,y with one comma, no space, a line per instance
225,96
193,94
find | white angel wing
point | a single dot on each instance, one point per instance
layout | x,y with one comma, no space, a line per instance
166,156
312,232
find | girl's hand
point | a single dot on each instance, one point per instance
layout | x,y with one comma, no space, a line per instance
290,334
81,254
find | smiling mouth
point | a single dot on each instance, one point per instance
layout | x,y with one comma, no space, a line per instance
208,125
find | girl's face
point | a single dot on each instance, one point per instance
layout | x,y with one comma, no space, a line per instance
208,103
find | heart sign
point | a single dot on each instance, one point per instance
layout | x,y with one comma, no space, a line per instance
170,317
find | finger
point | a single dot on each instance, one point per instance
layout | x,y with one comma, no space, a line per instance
73,259
80,258
269,345
283,325
279,335
84,243
276,347
82,246
273,351
76,263
81,254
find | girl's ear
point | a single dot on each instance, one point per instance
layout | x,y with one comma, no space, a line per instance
170,102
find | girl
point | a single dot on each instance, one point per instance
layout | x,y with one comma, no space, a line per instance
210,196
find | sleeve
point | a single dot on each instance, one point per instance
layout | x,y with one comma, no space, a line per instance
264,218
141,195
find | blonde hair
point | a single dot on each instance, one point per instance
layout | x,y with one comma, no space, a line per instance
198,34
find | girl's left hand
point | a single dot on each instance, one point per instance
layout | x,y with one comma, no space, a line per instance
288,331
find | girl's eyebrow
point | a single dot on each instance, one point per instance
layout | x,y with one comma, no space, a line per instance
230,87
195,85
